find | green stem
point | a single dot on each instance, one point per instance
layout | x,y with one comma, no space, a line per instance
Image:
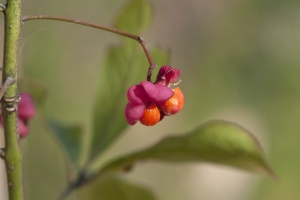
13,156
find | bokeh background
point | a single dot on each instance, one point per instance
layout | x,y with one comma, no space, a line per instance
240,62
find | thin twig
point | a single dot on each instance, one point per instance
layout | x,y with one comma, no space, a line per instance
105,28
2,153
6,84
65,192
2,7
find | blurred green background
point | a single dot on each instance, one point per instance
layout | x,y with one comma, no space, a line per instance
239,60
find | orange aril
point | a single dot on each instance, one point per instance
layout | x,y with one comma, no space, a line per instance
174,104
151,115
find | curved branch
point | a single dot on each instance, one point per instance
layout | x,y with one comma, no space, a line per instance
105,28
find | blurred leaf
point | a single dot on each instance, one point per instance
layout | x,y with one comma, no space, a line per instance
135,17
216,141
160,56
111,99
124,66
113,187
37,89
69,137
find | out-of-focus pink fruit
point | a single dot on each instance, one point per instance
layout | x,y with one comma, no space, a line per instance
26,108
23,128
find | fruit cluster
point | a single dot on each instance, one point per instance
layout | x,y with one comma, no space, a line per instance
26,111
150,102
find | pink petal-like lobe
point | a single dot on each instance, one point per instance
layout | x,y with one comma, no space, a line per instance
134,112
137,95
176,74
164,93
156,92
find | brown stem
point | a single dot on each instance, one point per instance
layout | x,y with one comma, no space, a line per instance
65,192
105,28
2,7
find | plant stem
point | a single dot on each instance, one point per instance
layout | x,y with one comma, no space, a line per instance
10,121
105,28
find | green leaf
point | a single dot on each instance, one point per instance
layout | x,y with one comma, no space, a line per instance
216,141
111,99
160,56
112,187
69,137
135,17
124,66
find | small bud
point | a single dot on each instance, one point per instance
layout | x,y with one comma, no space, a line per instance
26,108
167,75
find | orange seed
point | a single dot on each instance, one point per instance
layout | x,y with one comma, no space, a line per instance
174,104
151,115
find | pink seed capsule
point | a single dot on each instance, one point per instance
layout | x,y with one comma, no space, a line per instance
23,128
